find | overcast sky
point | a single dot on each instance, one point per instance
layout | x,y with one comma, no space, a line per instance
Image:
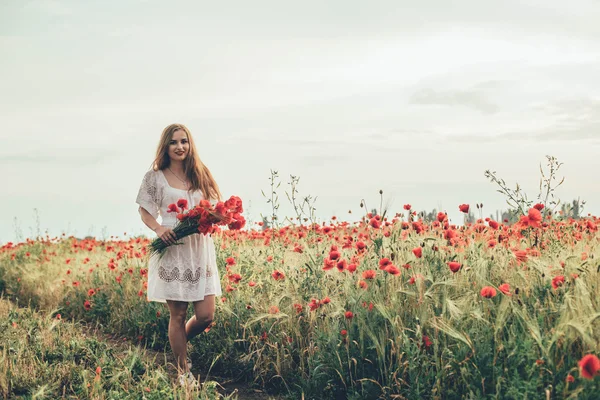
415,98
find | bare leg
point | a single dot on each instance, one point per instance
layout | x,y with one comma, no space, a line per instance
177,335
204,312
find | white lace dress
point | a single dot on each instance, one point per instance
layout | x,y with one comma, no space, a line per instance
186,272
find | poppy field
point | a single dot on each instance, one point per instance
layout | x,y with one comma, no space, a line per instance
380,308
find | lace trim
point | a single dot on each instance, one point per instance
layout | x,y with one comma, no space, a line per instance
149,195
187,276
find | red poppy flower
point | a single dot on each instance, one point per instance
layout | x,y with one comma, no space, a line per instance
407,207
230,261
464,208
539,206
441,217
172,208
426,341
589,366
369,274
534,217
384,262
521,256
278,275
558,281
454,266
505,288
343,332
87,305
349,315
328,264
493,224
182,203
488,292
362,284
314,304
360,246
418,252
375,223
392,269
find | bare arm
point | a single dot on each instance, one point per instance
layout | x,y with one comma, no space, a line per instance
166,234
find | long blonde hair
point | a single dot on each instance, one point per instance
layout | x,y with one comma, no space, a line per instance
195,170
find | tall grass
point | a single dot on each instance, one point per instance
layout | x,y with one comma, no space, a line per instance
426,332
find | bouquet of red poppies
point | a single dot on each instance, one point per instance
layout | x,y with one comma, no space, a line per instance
203,218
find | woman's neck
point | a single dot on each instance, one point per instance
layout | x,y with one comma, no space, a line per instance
177,167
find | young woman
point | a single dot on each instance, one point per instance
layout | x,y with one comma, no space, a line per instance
187,272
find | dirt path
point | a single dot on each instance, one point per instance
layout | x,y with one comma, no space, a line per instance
227,385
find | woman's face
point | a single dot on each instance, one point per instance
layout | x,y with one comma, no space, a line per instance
179,146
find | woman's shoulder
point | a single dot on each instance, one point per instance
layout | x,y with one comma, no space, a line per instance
152,176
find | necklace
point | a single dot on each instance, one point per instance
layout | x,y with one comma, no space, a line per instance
185,184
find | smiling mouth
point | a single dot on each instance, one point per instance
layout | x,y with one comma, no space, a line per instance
179,154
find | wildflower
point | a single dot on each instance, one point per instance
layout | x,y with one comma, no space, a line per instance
349,315
314,304
343,332
464,208
454,266
375,222
505,288
360,246
351,268
172,208
534,217
273,310
558,281
182,203
91,292
407,207
298,308
383,263
251,283
369,274
521,256
418,252
539,206
441,217
230,261
362,284
426,341
493,224
58,316
488,292
570,378
87,305
589,366
278,275
392,269
326,300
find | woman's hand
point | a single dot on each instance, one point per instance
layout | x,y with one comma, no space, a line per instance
166,234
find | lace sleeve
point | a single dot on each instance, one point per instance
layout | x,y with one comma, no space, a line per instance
149,195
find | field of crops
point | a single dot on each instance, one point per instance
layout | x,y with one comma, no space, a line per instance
380,308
